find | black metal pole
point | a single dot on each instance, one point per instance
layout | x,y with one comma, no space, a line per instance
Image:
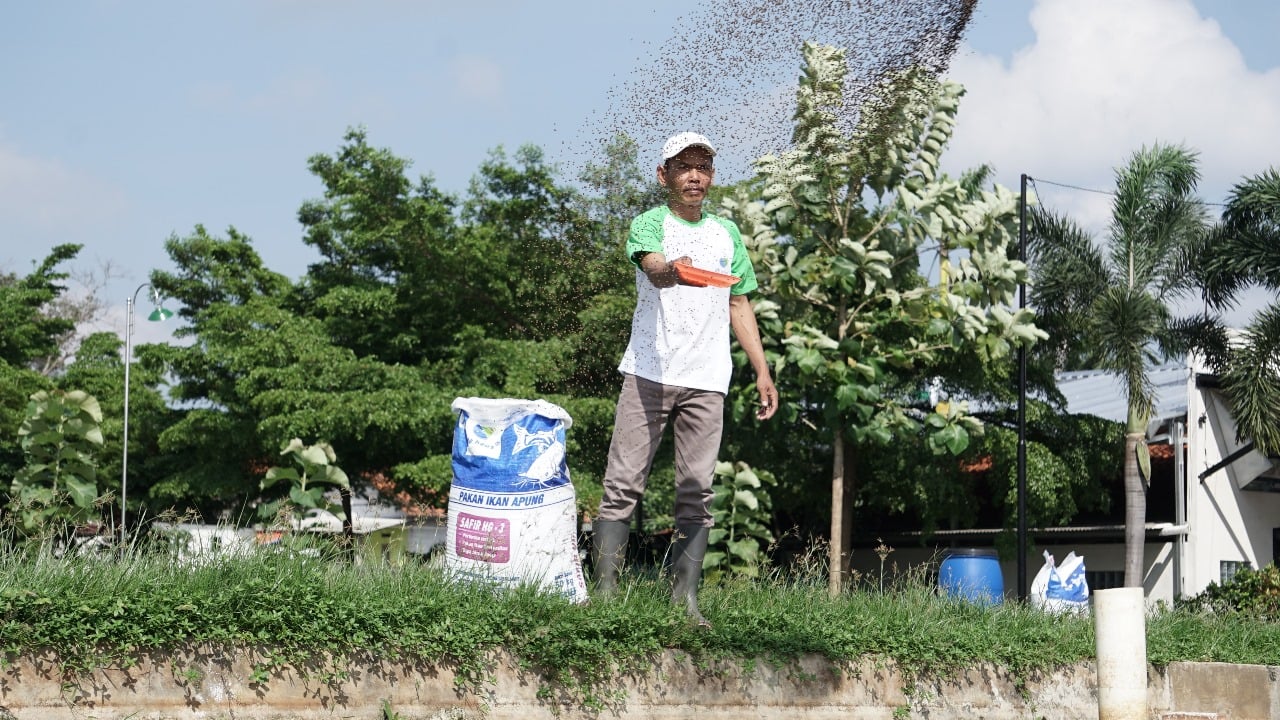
1022,406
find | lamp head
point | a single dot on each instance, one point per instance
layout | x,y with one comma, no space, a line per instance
159,314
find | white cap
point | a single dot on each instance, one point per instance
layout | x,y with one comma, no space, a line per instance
677,143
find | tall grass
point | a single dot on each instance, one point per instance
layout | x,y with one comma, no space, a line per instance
295,608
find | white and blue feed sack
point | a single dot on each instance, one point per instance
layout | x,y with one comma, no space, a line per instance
512,509
1062,588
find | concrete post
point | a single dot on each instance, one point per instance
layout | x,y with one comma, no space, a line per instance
1121,631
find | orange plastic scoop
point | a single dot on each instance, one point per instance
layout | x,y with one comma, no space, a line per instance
703,278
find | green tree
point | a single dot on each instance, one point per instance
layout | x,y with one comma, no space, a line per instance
1244,251
620,188
16,387
212,453
535,242
844,220
391,283
416,299
1110,305
272,375
510,297
1071,461
215,271
27,332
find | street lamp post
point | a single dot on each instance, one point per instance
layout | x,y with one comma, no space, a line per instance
1022,404
159,314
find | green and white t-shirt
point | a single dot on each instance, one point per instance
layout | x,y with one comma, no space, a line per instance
680,335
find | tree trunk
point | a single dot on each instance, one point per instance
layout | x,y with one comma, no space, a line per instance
835,552
1135,511
850,494
841,494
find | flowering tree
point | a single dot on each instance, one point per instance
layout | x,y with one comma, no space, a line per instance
845,218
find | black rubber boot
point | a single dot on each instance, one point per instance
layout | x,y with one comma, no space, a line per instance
687,551
610,540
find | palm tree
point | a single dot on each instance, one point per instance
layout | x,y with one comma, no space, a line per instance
1242,251
1108,304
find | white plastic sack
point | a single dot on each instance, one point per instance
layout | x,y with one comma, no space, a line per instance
512,510
1061,588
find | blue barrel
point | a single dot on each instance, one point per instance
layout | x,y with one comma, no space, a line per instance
972,574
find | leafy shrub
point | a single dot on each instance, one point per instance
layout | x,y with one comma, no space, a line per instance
308,484
58,487
743,512
1253,592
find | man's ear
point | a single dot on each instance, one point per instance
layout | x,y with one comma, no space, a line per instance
662,175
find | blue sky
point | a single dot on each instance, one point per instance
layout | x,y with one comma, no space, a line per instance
126,122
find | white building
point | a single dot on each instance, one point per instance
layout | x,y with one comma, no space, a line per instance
1225,494
1233,493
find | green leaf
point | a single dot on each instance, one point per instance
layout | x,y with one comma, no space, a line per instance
276,474
305,498
954,438
879,434
847,396
314,455
86,403
269,509
808,359
746,549
82,493
333,475
746,478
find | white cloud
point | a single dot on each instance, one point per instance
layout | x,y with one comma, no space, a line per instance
42,199
479,78
1104,78
1101,80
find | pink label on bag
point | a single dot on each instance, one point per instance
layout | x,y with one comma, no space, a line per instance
482,538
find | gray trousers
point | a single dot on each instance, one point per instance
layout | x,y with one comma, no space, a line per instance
644,409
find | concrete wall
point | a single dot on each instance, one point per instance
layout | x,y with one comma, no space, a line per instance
212,685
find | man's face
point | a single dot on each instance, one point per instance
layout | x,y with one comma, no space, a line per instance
688,176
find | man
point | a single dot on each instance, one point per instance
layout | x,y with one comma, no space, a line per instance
677,367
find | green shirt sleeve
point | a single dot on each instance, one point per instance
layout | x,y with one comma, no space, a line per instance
646,233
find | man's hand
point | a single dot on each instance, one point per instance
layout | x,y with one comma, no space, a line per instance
768,397
742,318
659,270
